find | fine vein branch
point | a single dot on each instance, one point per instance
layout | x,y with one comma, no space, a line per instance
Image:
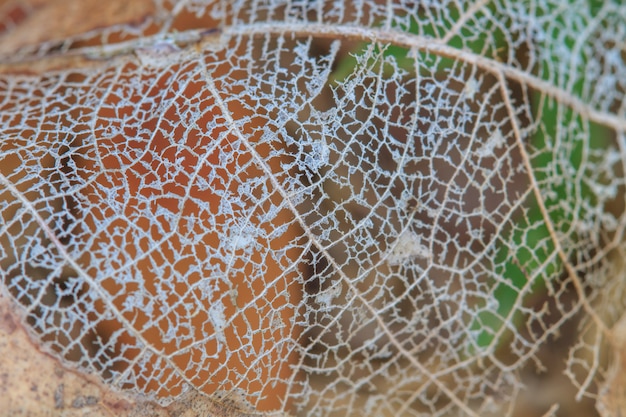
437,47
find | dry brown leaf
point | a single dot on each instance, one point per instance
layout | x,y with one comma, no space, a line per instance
312,208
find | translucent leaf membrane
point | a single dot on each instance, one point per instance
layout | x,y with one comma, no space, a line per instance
320,208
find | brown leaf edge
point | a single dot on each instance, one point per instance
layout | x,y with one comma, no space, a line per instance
34,383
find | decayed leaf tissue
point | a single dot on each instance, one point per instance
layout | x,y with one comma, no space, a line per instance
312,208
